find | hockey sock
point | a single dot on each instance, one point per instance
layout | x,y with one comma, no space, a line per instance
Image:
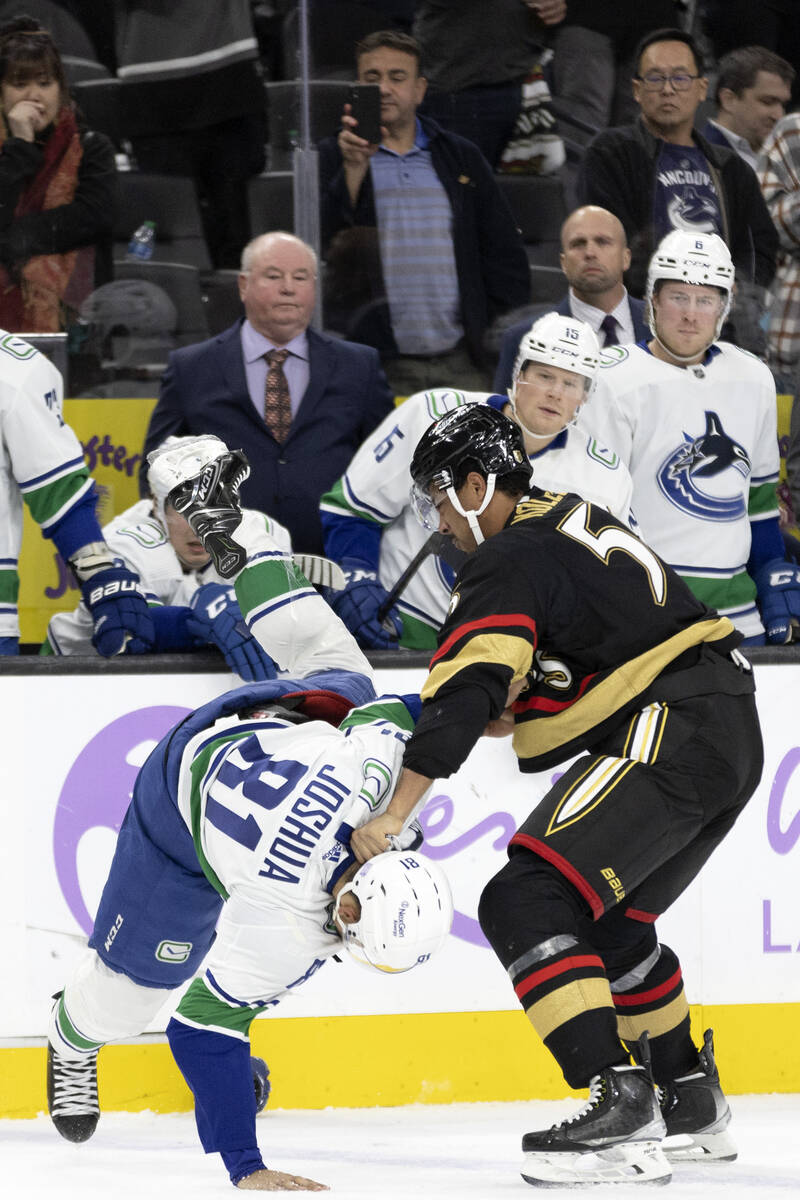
217,1069
655,1002
530,913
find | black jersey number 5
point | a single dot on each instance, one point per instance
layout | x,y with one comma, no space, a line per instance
611,537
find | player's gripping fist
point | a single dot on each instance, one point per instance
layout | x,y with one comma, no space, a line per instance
122,621
778,585
215,617
358,603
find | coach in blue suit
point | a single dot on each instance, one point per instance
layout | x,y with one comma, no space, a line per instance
338,391
594,257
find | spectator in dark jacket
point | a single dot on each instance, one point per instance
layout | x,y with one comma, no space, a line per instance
425,205
660,174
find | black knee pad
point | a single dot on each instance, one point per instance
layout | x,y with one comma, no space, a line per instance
525,903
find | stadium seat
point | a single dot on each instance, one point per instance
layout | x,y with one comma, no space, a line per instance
539,207
270,202
170,201
182,284
283,100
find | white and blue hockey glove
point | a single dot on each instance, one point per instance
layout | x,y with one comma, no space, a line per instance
778,585
9,645
122,621
215,617
357,606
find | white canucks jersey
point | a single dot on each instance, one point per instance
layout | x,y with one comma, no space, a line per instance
139,537
265,801
701,445
41,460
376,487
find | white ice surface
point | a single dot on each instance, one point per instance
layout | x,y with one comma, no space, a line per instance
421,1152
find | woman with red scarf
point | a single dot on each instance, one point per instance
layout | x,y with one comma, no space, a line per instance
56,188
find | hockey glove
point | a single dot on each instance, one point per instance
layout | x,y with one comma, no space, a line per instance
778,584
122,621
215,617
9,645
357,606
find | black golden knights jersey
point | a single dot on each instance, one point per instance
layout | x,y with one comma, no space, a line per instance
566,597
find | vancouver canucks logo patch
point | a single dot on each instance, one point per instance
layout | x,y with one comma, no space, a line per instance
697,476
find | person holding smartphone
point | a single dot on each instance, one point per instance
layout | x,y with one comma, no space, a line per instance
441,252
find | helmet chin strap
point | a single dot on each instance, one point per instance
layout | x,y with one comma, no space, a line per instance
472,514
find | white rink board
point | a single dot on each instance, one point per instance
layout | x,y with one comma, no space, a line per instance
71,748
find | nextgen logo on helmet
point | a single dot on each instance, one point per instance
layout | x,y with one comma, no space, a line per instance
399,925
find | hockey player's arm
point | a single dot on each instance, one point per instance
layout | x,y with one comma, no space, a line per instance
374,837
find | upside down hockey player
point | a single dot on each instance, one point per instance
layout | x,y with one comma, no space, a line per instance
568,629
239,823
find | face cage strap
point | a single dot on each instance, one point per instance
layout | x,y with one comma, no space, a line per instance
473,513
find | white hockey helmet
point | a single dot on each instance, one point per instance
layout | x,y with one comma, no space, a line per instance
700,259
178,459
406,911
562,342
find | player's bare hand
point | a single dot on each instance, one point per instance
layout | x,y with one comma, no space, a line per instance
549,12
372,838
502,727
279,1181
356,151
26,119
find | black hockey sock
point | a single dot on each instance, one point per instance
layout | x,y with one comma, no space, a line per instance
656,1003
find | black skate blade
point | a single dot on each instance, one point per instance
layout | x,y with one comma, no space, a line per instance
229,557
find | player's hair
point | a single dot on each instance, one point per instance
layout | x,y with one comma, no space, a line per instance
515,483
27,49
668,35
390,39
738,69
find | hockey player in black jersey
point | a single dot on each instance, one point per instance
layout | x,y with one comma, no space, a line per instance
567,629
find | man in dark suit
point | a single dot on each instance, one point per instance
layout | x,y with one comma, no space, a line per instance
299,403
594,257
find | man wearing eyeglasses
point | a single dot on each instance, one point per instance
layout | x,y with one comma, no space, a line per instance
660,174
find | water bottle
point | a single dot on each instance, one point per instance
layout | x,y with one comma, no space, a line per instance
142,243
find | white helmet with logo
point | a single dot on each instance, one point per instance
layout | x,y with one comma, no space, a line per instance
178,459
406,911
700,259
562,342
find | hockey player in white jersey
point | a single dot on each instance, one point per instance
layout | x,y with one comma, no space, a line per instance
191,605
369,526
234,855
695,421
42,463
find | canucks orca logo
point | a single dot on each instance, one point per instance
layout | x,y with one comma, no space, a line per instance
711,454
692,211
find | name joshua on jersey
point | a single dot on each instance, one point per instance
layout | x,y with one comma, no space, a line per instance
303,825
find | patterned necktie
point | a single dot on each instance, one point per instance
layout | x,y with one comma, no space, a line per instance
277,404
609,328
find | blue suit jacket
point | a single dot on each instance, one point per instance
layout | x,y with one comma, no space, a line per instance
204,390
511,338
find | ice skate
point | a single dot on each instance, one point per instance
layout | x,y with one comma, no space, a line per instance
210,503
614,1138
697,1114
72,1095
261,1082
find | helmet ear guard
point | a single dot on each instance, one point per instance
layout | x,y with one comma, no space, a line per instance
406,911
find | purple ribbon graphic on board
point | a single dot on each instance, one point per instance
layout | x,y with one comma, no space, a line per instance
97,792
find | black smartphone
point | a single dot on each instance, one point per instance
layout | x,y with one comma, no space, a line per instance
365,105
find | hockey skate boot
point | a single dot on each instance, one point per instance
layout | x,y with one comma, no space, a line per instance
260,1082
72,1095
210,503
614,1138
697,1114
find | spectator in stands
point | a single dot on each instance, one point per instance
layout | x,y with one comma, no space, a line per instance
661,174
194,105
773,24
56,188
753,88
594,257
780,183
476,58
451,258
190,604
594,56
299,425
